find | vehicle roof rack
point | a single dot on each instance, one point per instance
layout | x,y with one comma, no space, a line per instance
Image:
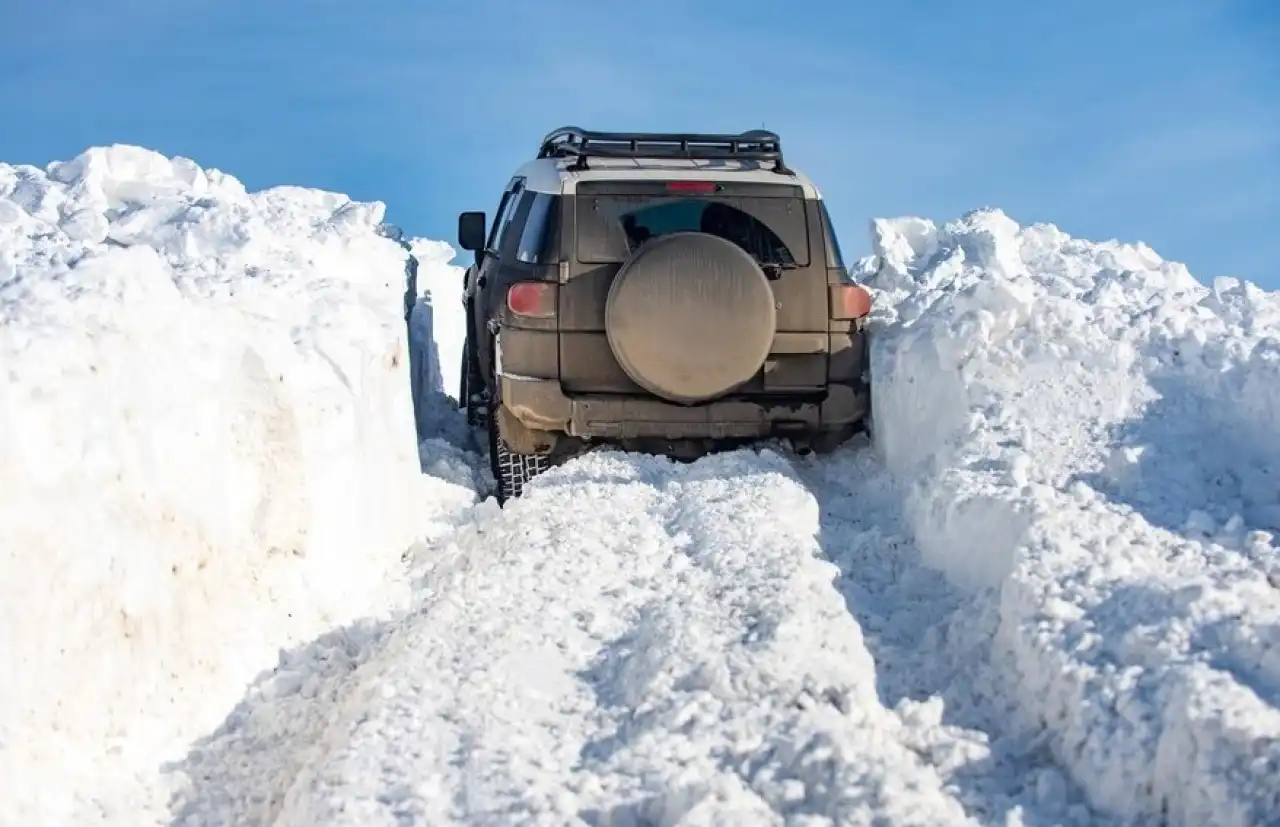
572,141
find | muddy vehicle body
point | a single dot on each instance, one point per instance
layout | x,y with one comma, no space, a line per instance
666,293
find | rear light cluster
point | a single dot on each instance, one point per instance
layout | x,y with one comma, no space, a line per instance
532,299
849,301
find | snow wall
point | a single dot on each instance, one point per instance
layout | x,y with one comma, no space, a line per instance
208,454
1091,437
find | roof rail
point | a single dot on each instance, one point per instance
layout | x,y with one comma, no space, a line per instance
571,141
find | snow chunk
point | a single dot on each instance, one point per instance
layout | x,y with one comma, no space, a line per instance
209,454
1089,437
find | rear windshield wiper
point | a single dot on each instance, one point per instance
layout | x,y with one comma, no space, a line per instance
773,269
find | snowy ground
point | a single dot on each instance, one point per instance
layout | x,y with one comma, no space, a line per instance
1045,595
622,647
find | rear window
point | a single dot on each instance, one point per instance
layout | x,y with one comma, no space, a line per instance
772,229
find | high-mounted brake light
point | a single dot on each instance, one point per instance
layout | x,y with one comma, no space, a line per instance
692,186
532,298
849,301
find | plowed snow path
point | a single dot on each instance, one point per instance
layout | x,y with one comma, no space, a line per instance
932,643
640,642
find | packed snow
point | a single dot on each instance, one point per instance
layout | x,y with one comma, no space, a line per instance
250,574
620,646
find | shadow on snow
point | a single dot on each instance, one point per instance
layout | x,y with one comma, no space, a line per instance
1195,459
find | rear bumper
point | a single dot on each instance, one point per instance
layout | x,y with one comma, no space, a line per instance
541,405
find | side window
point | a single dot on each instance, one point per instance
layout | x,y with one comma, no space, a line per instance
538,241
835,259
503,218
503,205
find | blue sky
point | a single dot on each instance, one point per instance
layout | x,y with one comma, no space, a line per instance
1155,121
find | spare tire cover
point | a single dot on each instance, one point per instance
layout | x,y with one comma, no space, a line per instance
690,317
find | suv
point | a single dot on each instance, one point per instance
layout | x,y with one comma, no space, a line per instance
665,293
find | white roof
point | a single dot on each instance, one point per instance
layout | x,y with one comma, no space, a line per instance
553,175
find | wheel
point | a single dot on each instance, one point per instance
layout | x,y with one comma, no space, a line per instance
513,471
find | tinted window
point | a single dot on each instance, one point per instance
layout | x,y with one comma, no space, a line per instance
503,219
772,230
834,257
538,239
491,244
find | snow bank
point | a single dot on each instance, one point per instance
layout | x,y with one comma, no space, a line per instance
208,453
1091,436
439,285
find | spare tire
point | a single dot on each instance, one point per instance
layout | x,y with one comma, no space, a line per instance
690,317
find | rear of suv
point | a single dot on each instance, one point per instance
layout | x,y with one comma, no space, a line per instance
667,293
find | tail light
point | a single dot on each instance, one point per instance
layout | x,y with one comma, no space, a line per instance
532,299
849,301
692,186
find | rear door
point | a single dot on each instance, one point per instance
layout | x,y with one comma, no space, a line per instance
611,218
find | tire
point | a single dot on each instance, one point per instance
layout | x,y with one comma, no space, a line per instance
511,470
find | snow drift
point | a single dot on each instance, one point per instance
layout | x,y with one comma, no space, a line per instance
208,453
1091,440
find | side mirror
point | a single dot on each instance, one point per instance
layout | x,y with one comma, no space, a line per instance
471,233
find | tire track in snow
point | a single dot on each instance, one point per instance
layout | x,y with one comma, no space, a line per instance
753,679
620,647
933,647
638,642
